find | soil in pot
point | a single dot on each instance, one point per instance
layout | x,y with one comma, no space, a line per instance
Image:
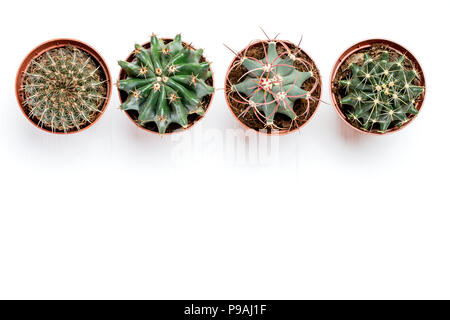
375,51
281,123
64,89
192,118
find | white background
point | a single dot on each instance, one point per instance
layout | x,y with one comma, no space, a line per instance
115,212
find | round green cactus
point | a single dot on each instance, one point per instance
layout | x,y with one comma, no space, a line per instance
64,89
381,93
273,84
166,83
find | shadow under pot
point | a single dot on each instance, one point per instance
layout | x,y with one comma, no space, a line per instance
377,86
165,85
63,86
273,87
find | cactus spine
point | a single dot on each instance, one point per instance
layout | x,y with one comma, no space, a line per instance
64,89
381,93
273,84
166,83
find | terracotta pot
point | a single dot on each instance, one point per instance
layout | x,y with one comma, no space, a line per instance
364,45
54,44
123,95
227,88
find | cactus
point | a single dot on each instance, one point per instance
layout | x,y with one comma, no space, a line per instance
273,84
166,83
64,89
381,93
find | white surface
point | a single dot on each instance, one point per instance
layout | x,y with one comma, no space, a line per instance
115,212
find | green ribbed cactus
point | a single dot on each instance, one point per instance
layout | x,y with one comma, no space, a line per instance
64,89
272,84
166,83
381,93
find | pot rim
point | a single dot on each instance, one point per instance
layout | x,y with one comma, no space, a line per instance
58,43
262,132
180,130
363,45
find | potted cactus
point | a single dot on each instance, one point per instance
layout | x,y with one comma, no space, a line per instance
377,86
63,86
273,86
165,85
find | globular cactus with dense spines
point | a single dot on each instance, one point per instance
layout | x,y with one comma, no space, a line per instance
166,83
273,84
381,93
64,89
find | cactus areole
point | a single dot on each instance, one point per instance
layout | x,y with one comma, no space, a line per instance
273,86
379,87
63,86
165,85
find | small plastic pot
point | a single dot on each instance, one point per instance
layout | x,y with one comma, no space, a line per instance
362,46
228,88
133,116
54,44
